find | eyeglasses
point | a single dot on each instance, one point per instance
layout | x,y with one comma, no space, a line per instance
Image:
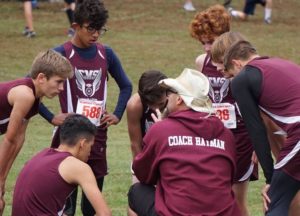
169,91
92,30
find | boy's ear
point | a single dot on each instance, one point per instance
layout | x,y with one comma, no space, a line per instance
75,25
41,77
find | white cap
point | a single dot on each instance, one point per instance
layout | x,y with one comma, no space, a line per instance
193,88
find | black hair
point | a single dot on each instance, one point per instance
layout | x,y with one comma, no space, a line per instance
76,127
149,90
92,12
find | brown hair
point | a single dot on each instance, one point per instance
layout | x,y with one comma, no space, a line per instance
51,63
210,23
149,90
240,50
222,43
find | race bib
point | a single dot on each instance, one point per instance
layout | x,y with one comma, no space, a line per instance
92,109
226,113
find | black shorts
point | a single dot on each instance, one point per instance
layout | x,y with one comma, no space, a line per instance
249,8
141,199
282,191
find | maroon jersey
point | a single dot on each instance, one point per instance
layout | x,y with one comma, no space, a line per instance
281,101
146,120
89,82
40,189
6,108
192,163
220,93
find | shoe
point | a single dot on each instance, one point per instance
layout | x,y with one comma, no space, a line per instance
189,6
31,34
268,21
226,3
71,32
25,31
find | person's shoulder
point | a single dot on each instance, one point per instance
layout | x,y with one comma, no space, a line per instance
60,49
134,104
200,61
134,101
71,168
22,92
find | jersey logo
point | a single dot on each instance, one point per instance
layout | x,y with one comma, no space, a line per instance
218,88
88,81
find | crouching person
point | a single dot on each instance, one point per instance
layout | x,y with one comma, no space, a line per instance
49,177
189,156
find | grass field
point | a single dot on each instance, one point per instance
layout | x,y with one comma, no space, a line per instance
146,34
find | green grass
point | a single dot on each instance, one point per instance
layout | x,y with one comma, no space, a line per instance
146,34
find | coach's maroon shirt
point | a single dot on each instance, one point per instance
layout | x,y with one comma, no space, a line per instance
40,189
191,159
6,108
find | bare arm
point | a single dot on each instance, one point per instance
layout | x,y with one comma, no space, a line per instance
21,98
134,112
75,171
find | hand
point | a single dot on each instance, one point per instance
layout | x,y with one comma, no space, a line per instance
157,117
109,119
60,118
266,199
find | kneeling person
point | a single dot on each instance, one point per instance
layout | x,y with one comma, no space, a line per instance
189,156
48,178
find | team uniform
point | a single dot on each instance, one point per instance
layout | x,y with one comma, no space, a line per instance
86,93
40,189
146,120
6,108
257,88
192,165
227,110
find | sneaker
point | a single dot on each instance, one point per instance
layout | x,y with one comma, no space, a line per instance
31,34
227,3
189,6
268,21
71,32
25,31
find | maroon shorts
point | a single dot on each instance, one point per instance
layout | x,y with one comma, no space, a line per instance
245,168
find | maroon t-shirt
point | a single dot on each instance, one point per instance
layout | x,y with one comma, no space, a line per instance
220,92
192,163
6,108
40,189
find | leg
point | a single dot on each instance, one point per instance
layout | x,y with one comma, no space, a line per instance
70,208
28,15
240,191
70,7
86,207
141,200
295,206
268,11
283,189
